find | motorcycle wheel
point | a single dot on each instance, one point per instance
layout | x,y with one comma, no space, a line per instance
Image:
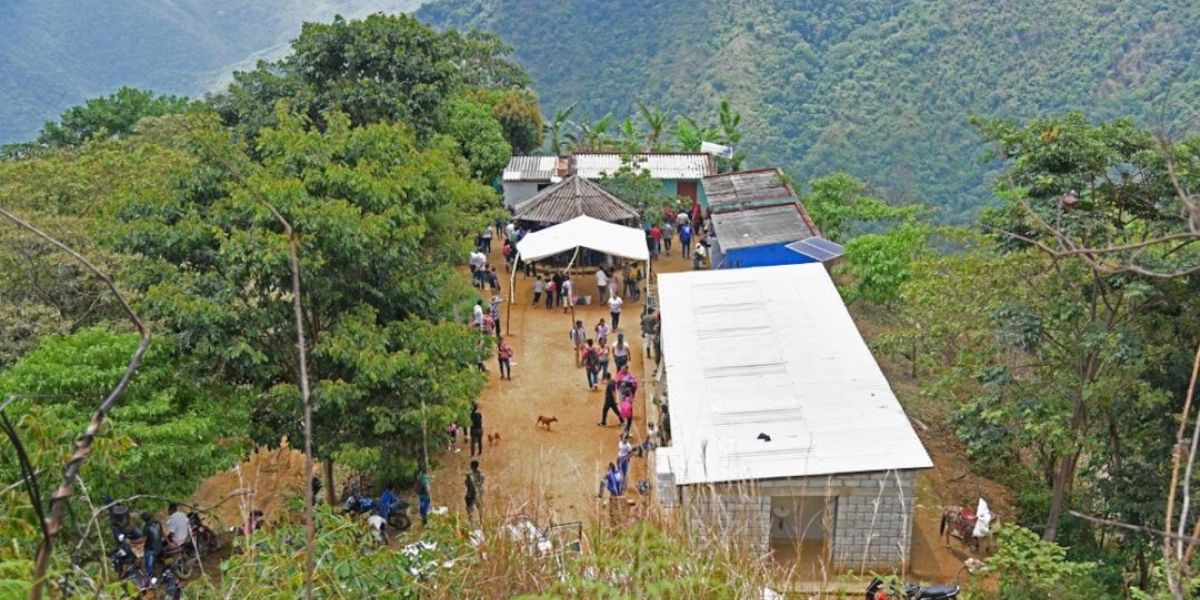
186,567
401,522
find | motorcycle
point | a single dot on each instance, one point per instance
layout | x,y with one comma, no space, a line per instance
124,560
206,539
166,586
879,590
181,560
398,518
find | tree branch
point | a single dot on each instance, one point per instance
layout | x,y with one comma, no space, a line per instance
83,444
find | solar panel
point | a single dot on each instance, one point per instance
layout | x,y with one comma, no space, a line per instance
818,249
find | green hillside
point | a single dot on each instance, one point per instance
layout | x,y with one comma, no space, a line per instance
57,53
880,88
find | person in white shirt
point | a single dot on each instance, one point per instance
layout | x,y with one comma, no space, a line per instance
699,256
478,261
511,230
624,452
602,283
568,293
479,314
682,219
614,309
178,529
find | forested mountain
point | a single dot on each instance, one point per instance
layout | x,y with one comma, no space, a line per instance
57,53
880,88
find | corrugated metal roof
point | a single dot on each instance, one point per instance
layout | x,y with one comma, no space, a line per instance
757,187
773,350
530,168
662,165
761,226
570,198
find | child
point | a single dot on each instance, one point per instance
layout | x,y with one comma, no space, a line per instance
452,431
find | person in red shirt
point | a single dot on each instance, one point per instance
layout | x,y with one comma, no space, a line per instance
655,240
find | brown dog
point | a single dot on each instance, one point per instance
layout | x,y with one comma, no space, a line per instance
493,438
546,421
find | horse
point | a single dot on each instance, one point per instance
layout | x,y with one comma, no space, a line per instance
959,522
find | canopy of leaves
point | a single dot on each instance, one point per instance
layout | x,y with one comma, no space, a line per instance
481,137
114,115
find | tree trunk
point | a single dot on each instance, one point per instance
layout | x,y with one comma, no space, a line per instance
1062,482
330,497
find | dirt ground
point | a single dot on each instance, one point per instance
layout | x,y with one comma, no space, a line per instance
554,475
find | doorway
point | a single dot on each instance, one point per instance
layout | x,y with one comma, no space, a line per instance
801,533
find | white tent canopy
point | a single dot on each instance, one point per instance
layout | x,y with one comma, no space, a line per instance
585,232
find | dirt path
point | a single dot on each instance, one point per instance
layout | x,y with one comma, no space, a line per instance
552,474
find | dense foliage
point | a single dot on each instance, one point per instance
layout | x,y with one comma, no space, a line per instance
881,89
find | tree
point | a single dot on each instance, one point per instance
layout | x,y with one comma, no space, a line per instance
114,115
556,130
633,184
481,138
383,68
519,115
879,263
656,123
843,207
729,124
590,136
167,434
382,219
630,139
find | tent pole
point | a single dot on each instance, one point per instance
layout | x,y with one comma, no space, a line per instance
512,293
568,271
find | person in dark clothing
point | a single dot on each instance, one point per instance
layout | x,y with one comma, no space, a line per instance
474,496
154,542
558,288
476,431
610,401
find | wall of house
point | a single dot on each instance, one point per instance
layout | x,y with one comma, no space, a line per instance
670,187
762,256
872,524
516,191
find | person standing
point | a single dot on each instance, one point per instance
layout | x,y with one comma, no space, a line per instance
152,529
624,453
486,237
628,279
477,262
620,352
601,283
558,286
613,481
551,292
668,231
494,280
610,402
625,409
602,354
578,341
504,352
474,485
476,431
700,255
494,312
591,364
568,293
655,240
478,314
602,331
685,239
682,219
614,311
539,286
423,496
649,328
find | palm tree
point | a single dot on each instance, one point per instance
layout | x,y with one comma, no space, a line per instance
730,135
691,135
629,137
656,122
592,137
555,129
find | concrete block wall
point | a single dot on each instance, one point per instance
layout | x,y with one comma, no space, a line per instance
872,524
742,519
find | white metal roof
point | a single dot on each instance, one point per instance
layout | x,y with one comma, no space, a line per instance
586,232
773,350
531,168
660,165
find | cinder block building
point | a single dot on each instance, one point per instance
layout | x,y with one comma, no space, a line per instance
785,435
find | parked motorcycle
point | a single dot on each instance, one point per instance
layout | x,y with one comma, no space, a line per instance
165,587
124,560
206,539
182,561
879,590
398,518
